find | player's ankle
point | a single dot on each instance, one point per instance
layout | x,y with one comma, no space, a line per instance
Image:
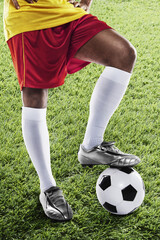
89,146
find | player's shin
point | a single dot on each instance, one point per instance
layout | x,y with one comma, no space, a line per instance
36,138
107,95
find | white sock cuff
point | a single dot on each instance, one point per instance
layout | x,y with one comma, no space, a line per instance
116,75
34,114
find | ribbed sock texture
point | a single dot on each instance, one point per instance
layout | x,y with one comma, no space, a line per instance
36,138
106,97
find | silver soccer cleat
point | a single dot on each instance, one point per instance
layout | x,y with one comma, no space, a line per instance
54,205
106,154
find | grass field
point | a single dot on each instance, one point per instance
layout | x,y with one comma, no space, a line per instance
134,126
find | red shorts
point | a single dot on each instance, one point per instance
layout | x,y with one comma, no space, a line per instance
43,58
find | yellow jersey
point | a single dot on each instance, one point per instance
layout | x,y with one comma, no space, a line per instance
38,15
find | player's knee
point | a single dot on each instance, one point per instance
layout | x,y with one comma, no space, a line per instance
123,56
131,54
35,98
127,55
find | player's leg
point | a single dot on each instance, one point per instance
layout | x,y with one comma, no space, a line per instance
34,98
36,139
110,49
40,69
35,133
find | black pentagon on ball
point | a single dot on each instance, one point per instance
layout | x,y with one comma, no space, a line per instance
105,182
110,207
126,170
129,193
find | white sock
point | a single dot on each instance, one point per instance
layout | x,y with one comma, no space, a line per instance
36,138
107,95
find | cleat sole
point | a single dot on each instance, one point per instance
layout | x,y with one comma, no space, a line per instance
87,165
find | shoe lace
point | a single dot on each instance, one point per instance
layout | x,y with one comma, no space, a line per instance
109,147
57,201
54,195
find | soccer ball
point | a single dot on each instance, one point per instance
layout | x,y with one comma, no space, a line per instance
120,190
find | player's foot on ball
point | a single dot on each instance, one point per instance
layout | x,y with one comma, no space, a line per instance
106,154
54,205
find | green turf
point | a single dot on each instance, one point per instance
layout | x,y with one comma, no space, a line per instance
134,126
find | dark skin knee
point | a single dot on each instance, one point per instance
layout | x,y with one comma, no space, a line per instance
35,98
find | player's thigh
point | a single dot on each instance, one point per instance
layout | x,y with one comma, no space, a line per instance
106,48
34,98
